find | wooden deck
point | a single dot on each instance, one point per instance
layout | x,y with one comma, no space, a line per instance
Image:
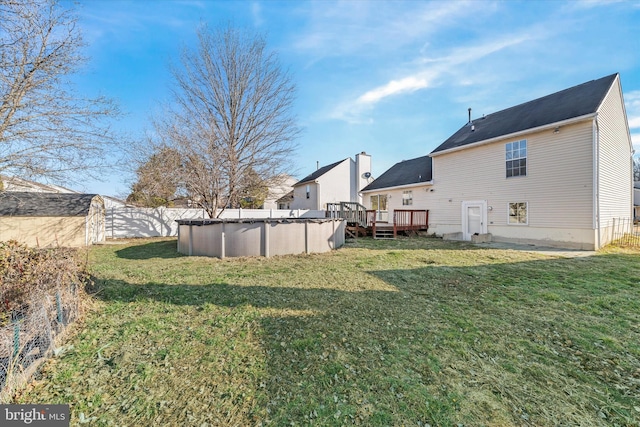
404,221
362,221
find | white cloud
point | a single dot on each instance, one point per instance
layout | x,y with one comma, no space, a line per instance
589,4
256,13
430,70
632,104
635,140
394,87
357,28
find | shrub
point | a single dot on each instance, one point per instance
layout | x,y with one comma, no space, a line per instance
28,273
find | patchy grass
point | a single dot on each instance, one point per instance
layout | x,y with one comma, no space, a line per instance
405,332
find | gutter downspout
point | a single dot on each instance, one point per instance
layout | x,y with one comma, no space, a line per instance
596,179
318,198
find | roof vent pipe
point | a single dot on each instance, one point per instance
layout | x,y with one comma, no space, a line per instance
469,114
317,164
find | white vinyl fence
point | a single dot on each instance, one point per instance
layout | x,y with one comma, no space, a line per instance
148,222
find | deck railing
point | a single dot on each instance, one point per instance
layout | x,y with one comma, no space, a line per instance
410,220
403,220
371,220
351,212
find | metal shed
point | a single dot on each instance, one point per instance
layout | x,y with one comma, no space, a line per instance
52,219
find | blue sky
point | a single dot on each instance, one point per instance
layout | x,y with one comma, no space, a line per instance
393,79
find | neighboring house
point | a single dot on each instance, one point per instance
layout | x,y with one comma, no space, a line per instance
636,200
52,219
12,183
554,171
285,201
279,191
334,183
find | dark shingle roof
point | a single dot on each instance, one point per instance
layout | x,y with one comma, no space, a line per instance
318,173
406,172
567,104
44,204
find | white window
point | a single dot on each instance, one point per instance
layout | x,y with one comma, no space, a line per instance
516,157
518,213
407,198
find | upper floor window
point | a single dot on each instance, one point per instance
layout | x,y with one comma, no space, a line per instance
516,155
407,198
308,191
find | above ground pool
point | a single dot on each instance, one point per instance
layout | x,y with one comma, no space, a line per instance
259,237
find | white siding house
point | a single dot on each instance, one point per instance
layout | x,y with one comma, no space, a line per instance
554,171
334,183
13,183
278,190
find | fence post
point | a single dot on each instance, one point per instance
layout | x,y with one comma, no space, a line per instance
265,238
59,308
16,339
614,232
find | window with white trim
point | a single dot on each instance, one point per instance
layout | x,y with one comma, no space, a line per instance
407,198
379,202
518,213
516,157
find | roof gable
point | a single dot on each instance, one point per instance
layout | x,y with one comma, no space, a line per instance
567,104
44,204
407,172
317,174
13,183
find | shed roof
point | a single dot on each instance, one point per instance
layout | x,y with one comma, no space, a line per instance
315,175
407,172
567,104
44,204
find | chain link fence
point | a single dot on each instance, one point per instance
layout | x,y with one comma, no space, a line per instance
30,336
41,292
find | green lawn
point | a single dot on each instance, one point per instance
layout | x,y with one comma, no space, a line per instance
410,332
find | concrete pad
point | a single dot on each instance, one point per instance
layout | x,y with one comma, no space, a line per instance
545,250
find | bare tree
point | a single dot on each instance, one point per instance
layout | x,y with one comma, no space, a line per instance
46,129
231,116
636,169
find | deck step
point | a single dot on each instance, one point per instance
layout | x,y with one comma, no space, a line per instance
384,233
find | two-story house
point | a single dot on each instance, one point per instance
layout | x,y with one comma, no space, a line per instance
338,182
554,171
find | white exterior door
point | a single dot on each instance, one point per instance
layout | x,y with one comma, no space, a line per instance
379,204
474,218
